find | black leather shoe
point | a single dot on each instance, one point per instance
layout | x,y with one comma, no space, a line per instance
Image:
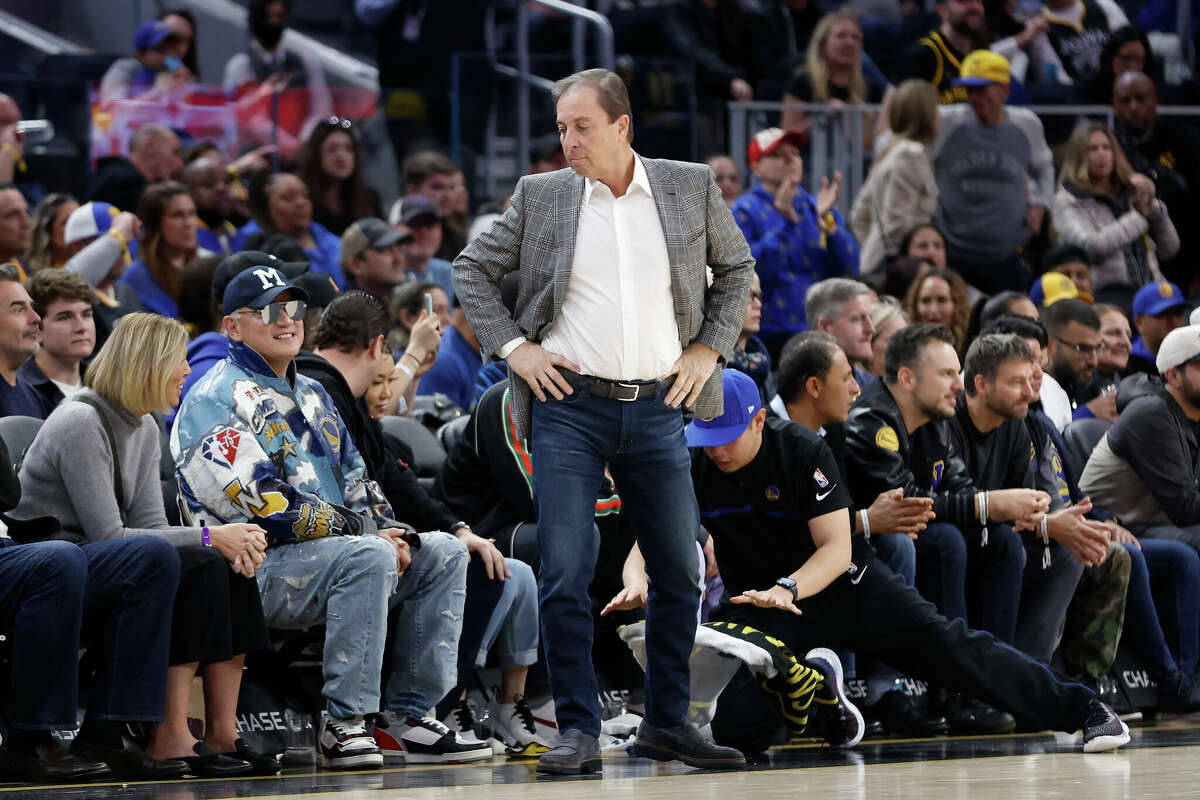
52,764
967,715
900,714
684,743
130,761
577,753
208,763
262,763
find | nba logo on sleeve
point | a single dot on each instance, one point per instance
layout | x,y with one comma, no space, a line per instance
820,478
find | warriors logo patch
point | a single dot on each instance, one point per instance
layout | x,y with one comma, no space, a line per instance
772,493
887,439
939,467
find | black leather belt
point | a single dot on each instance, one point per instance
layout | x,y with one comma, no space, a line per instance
625,391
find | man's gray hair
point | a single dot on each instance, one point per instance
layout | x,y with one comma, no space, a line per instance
146,134
824,300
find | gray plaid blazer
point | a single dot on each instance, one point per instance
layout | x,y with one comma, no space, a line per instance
537,236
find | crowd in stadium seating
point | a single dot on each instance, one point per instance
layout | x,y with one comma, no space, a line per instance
1024,454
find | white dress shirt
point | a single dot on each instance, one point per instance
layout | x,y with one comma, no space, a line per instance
618,315
1056,403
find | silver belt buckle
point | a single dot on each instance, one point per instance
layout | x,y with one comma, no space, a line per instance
636,391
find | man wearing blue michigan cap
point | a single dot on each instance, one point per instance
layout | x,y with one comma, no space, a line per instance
1158,309
254,440
772,498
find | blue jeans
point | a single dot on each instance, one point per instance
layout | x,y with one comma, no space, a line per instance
109,594
1162,608
513,626
643,445
347,584
950,560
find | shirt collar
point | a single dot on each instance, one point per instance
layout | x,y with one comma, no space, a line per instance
640,179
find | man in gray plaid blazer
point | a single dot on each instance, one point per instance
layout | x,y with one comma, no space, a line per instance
615,331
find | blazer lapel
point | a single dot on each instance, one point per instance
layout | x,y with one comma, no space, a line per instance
666,200
567,197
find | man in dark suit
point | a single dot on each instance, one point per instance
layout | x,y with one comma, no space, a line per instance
615,332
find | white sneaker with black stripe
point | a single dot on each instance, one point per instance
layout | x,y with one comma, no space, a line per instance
425,741
513,724
346,744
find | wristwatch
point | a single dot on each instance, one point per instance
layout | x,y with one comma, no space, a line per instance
790,585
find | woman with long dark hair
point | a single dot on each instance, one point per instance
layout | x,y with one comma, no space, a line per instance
281,204
330,167
47,247
168,244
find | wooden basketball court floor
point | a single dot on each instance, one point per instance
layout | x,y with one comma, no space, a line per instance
1162,761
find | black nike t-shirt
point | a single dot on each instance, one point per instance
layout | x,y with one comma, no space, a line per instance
758,516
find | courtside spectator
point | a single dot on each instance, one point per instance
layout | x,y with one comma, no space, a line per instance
47,247
330,166
100,237
796,238
106,434
153,157
19,337
1112,213
1071,356
938,55
833,72
988,158
356,542
211,187
168,244
726,172
842,308
817,388
281,205
16,228
1115,348
64,302
423,219
1158,309
897,436
373,256
940,297
48,582
157,63
1145,469
900,192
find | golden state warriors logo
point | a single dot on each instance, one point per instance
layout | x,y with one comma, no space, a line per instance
939,467
329,429
772,493
1165,289
887,439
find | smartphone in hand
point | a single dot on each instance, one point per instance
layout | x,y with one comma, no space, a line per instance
429,303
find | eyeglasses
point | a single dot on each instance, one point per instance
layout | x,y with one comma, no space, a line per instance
338,122
1084,350
270,313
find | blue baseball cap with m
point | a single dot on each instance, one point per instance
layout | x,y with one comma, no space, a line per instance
742,402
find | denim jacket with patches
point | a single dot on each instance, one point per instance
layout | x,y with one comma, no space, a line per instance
251,446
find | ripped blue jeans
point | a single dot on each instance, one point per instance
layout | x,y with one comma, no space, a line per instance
348,583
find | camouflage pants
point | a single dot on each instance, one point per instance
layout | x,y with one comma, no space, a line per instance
1096,616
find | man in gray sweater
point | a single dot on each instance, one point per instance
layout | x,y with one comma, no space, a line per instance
995,178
